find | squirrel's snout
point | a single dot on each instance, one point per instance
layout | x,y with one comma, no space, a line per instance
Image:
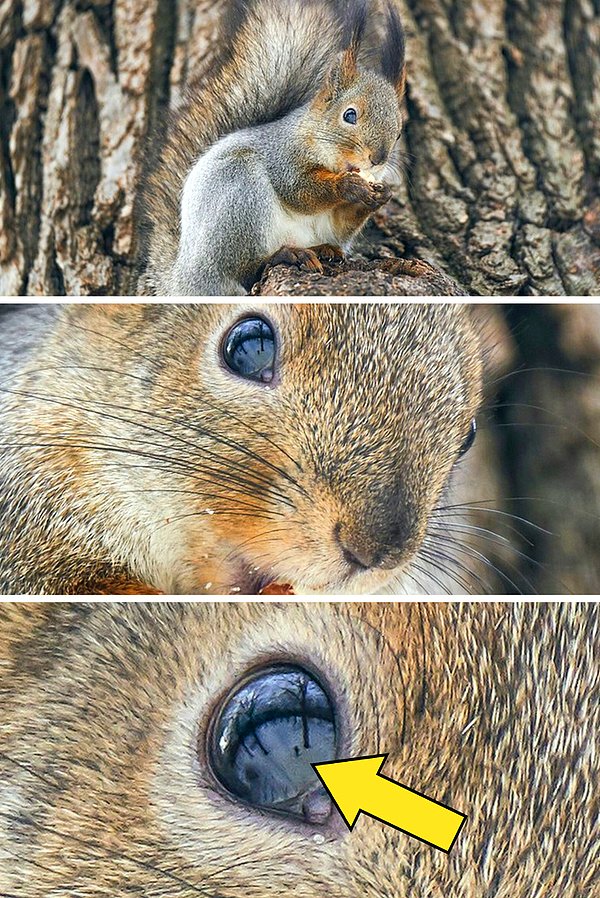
378,157
382,544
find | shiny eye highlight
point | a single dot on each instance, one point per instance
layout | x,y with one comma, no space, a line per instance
266,735
351,116
469,440
249,350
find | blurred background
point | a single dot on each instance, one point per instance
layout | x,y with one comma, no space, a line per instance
527,498
502,140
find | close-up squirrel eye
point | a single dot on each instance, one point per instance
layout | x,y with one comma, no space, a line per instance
249,350
470,439
265,737
351,116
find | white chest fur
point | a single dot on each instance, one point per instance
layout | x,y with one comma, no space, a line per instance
290,228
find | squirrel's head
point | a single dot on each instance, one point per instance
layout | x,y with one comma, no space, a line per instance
356,118
219,447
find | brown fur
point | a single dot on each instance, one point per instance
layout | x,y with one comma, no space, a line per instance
491,708
125,430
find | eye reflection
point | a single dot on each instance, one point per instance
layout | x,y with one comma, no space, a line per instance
265,737
249,350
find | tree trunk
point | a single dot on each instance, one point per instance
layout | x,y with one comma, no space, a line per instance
502,139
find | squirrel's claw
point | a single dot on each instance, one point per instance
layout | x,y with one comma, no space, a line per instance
327,252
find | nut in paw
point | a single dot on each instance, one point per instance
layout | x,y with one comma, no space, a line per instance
354,189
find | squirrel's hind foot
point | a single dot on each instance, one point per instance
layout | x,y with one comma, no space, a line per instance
306,259
328,252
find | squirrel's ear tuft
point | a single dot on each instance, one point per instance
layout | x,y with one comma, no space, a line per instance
355,25
393,52
345,70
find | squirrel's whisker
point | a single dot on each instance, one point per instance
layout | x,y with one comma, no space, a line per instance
211,403
60,401
26,820
448,537
169,437
435,557
186,469
431,560
541,369
475,555
564,422
480,505
461,548
449,529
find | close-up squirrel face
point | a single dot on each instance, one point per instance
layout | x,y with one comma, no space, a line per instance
365,120
357,460
242,444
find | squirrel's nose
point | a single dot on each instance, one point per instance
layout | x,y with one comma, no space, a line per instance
381,546
378,158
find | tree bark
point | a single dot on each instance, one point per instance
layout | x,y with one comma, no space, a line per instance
502,139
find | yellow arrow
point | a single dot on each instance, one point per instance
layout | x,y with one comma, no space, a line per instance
356,786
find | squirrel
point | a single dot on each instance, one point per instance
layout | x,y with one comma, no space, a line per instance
280,154
108,784
217,448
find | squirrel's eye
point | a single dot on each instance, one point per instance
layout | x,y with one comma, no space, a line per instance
470,438
249,350
351,116
265,737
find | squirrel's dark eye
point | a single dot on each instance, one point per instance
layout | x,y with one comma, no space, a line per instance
249,350
351,116
470,438
265,737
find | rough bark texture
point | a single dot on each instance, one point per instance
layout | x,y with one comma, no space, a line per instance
502,141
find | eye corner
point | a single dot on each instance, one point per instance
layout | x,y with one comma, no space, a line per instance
469,439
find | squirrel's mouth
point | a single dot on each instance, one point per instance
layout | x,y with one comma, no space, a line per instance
250,580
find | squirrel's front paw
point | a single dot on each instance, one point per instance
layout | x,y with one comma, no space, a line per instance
354,189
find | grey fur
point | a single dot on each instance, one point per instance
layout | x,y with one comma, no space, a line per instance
22,328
